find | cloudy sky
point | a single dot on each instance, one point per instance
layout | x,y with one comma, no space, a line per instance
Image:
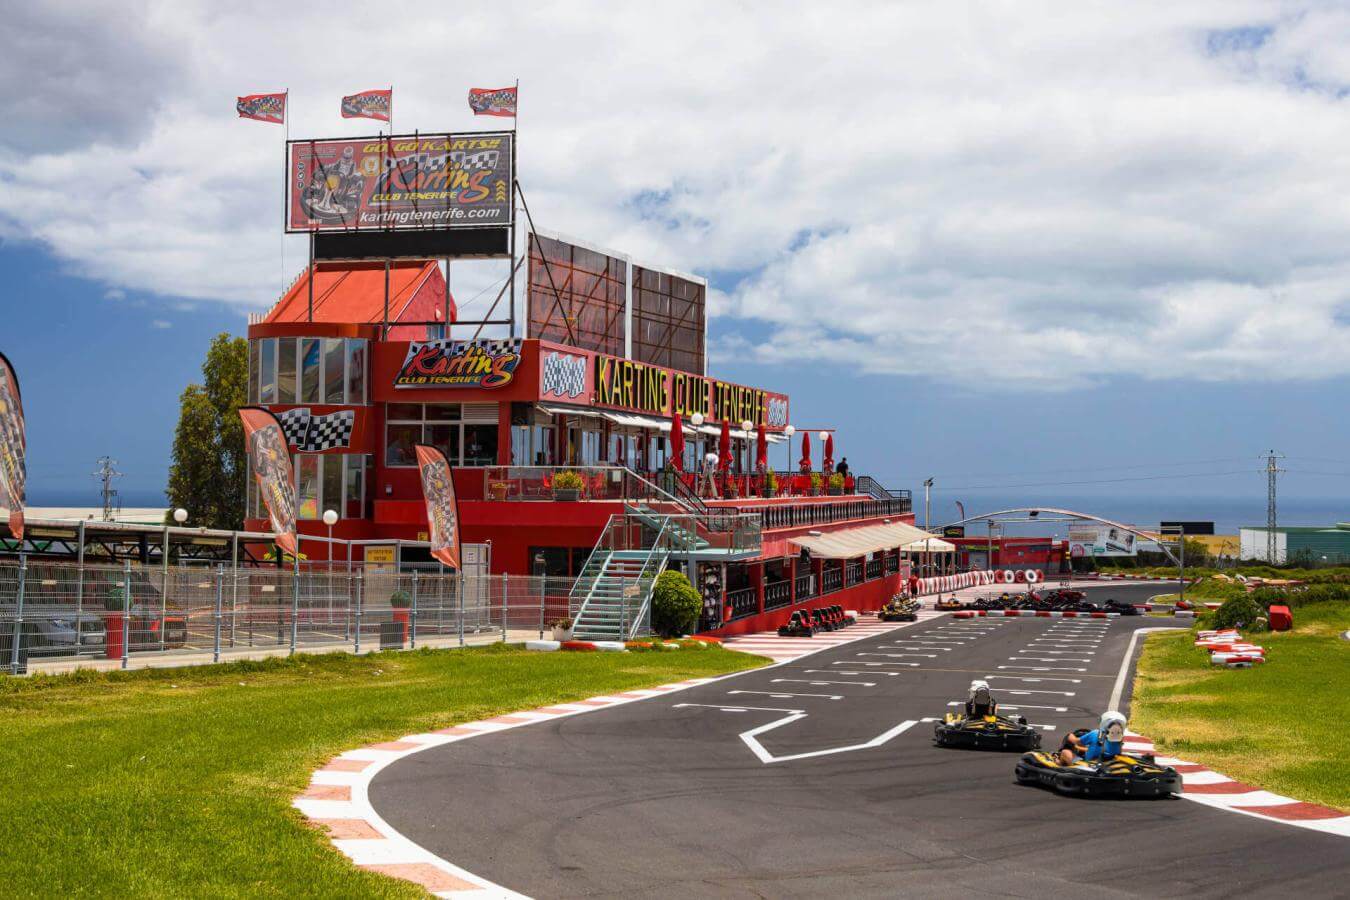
951,227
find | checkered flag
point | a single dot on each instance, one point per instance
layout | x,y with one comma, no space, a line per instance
295,423
498,347
486,159
330,431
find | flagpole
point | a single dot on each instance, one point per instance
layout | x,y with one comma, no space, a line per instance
285,176
515,123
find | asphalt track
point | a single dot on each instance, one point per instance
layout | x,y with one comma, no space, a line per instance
665,797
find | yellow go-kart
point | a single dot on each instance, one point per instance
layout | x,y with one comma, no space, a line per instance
900,610
985,732
1123,775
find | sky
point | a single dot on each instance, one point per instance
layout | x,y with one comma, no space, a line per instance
1031,250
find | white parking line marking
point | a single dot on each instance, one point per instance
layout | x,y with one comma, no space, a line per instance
1060,652
1048,659
1045,668
847,663
1023,706
892,674
898,655
741,709
1023,691
1023,678
778,696
819,683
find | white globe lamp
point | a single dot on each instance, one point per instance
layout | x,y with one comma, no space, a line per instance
180,515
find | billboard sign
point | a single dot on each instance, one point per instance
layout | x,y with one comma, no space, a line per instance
455,364
1101,540
401,182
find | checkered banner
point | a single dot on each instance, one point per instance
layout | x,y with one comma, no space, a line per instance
314,434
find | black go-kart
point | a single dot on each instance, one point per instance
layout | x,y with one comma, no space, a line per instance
898,610
1121,607
799,625
1123,775
985,732
822,620
844,615
949,604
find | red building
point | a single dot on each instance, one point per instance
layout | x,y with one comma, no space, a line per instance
358,372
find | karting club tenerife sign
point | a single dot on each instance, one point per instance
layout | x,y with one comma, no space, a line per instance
426,181
459,364
625,384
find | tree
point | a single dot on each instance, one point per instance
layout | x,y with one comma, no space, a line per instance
675,604
209,471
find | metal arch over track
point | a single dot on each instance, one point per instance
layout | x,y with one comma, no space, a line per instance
1077,515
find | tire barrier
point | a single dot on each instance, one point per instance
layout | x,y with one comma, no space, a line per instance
939,584
1033,613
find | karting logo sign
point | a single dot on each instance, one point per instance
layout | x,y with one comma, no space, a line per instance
459,364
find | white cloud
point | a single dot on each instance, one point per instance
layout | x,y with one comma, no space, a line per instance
160,324
1031,195
114,294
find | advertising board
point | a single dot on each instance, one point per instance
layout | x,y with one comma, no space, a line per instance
400,182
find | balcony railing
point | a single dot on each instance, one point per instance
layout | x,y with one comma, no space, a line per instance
777,594
743,602
806,587
796,515
832,580
873,568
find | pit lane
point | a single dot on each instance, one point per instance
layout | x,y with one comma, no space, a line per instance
847,795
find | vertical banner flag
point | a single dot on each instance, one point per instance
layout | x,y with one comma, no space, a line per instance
13,469
271,461
442,510
263,107
493,101
368,105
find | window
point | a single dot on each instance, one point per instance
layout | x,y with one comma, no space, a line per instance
559,562
309,370
268,373
356,371
437,425
402,438
307,486
286,370
334,381
332,484
354,495
480,445
252,371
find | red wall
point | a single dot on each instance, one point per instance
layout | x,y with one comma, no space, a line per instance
867,597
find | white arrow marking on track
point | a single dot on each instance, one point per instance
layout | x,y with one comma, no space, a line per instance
751,739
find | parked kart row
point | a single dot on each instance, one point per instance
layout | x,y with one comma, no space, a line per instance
806,622
1055,600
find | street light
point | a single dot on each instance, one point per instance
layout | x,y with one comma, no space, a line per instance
180,515
330,518
788,432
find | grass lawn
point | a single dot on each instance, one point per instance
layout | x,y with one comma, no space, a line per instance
1280,725
178,782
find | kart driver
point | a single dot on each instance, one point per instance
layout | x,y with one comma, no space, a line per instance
980,703
1096,746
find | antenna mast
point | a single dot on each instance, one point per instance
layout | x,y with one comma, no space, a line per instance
107,471
1272,516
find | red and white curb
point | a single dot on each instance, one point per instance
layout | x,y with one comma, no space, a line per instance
1203,785
608,646
338,797
787,649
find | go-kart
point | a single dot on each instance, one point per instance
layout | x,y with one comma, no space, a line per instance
900,610
949,604
822,620
985,732
1124,775
799,625
1121,607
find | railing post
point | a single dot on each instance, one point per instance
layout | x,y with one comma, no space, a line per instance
543,587
623,609
295,600
504,589
220,599
16,637
126,613
460,579
79,589
413,614
356,649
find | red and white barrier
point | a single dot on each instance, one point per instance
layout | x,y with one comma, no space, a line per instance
945,584
1036,613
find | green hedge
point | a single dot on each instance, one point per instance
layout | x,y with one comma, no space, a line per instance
675,605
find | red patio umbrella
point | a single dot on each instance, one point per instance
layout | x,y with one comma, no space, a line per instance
806,451
761,450
828,464
724,447
677,443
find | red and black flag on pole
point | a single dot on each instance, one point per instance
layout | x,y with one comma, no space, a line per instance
442,509
369,105
263,107
270,458
493,101
13,469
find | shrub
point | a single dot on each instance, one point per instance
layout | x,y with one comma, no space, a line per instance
400,600
815,481
837,481
1239,612
115,600
675,605
568,481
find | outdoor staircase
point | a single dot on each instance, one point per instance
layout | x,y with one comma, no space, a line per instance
681,536
618,586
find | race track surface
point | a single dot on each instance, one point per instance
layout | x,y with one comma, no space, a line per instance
668,797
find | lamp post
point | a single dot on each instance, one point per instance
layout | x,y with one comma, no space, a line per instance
747,426
180,515
330,518
789,431
927,486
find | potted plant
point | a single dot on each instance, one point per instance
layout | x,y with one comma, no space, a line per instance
117,604
836,484
497,489
770,484
815,484
562,630
401,601
567,485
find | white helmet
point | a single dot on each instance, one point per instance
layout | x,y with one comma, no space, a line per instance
1111,717
977,686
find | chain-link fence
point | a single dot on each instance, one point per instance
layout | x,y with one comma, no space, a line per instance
54,615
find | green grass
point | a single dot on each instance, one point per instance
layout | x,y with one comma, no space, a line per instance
1280,725
178,782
